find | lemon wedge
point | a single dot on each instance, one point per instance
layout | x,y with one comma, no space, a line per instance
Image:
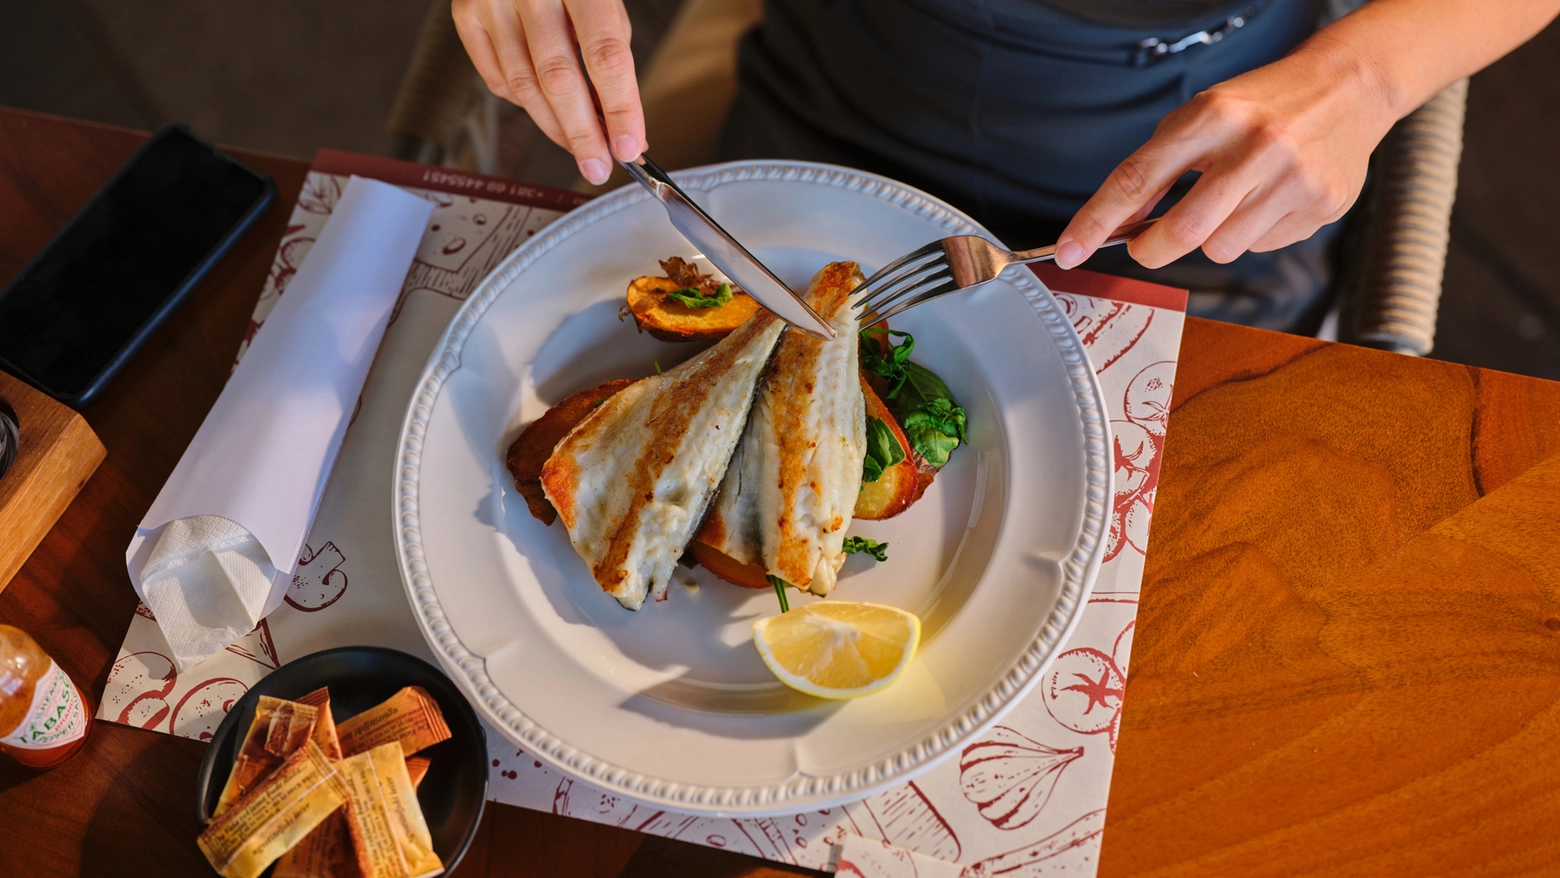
838,649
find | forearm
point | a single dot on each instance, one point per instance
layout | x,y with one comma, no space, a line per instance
1283,149
1408,50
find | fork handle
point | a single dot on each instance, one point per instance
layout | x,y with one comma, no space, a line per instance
1120,236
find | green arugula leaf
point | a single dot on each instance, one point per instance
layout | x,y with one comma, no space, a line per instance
883,450
854,545
895,366
694,298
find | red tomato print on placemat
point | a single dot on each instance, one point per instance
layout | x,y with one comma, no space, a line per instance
1083,690
1136,446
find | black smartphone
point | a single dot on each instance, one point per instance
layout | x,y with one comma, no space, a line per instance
74,316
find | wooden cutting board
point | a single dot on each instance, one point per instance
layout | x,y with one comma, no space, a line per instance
58,452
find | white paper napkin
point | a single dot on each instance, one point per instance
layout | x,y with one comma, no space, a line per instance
216,550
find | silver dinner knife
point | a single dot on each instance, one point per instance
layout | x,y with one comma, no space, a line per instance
730,257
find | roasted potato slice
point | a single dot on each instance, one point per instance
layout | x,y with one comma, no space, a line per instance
656,312
536,443
727,567
900,485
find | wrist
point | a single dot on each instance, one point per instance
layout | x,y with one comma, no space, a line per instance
1371,84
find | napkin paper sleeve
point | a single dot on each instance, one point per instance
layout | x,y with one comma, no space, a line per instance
219,545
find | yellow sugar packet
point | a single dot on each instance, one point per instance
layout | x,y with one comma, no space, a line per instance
324,853
388,831
327,851
410,716
279,729
275,815
325,724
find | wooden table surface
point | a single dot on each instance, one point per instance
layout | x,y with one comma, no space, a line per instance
1347,656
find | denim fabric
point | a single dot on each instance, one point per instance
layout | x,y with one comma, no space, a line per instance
1011,110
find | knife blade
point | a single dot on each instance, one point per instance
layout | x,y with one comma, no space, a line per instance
726,253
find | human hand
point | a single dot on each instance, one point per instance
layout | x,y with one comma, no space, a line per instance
1282,151
528,52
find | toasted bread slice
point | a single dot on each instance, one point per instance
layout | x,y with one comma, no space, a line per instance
536,443
656,312
899,485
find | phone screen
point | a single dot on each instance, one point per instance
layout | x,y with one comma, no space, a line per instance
68,316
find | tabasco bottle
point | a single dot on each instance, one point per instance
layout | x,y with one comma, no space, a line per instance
43,718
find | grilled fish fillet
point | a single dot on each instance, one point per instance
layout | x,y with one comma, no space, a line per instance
632,481
787,497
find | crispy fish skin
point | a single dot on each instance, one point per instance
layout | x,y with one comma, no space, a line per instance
788,496
536,442
632,481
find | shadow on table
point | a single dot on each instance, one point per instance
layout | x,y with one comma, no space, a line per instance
664,858
124,836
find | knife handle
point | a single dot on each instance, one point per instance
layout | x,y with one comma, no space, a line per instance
649,175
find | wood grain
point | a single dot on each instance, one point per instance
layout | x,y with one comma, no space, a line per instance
1347,657
55,456
1348,648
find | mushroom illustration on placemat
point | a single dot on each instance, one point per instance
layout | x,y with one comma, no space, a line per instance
320,581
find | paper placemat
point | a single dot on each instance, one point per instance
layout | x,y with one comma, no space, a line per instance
1028,799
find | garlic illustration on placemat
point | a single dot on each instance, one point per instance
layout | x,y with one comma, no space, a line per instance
1010,777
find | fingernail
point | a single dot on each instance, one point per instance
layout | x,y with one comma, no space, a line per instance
1068,254
595,171
626,148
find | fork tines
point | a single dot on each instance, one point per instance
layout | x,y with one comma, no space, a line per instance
907,281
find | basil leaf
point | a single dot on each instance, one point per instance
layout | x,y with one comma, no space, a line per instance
883,450
921,386
942,414
854,545
932,421
929,440
694,298
895,366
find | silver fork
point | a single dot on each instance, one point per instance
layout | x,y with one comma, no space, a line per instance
946,266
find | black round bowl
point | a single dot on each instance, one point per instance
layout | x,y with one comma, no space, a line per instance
454,792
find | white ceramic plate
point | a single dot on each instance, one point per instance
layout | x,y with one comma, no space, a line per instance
671,705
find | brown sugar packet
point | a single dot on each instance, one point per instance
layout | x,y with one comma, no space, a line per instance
410,716
417,768
275,815
324,853
327,851
325,725
279,729
389,834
